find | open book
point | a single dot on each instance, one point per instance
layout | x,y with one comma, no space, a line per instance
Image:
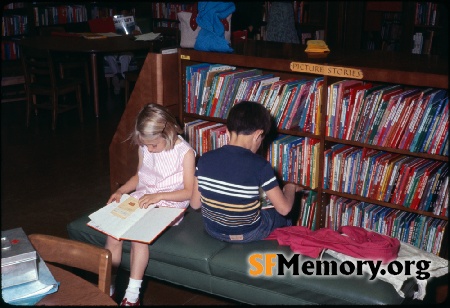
127,221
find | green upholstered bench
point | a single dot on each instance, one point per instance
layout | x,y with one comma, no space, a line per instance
185,255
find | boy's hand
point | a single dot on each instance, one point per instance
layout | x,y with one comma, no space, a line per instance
293,186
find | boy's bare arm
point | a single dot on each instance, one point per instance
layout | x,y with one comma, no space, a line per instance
195,199
283,200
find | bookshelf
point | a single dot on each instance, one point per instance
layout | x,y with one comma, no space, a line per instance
378,68
430,28
311,19
164,14
15,24
419,27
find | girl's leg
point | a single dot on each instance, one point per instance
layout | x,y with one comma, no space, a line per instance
139,257
115,246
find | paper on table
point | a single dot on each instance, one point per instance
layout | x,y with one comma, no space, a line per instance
31,292
147,36
109,34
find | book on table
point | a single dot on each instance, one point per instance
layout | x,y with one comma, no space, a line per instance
125,220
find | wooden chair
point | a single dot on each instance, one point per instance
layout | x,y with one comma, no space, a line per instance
75,254
41,79
70,66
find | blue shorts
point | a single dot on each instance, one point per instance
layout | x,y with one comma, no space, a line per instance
270,220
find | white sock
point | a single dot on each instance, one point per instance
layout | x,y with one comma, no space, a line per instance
132,292
112,287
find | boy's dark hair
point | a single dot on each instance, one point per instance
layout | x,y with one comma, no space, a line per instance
247,117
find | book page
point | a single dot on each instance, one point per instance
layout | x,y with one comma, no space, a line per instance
126,208
126,220
152,224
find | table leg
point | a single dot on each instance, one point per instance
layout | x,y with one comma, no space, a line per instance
95,82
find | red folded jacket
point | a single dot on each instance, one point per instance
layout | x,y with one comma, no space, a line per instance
357,242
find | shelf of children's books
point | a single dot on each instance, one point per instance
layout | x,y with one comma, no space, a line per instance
387,149
297,132
305,188
292,131
193,116
382,203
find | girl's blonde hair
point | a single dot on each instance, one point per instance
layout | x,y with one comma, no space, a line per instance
155,121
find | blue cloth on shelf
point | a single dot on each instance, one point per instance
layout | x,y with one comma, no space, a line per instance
211,36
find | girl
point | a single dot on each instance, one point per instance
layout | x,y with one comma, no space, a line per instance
165,176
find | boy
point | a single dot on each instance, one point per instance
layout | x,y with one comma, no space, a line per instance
228,180
118,71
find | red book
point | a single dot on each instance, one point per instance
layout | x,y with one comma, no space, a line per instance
218,91
299,101
62,14
334,180
404,118
286,107
440,131
441,140
420,187
396,105
417,112
390,127
312,209
408,169
385,177
378,170
343,88
197,136
341,173
355,101
366,153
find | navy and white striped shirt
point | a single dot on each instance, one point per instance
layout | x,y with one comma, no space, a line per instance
229,179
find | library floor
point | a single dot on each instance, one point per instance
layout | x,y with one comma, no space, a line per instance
49,178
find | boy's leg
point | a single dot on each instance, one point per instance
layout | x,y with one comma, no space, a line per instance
124,63
112,62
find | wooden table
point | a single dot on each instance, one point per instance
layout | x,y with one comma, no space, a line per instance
74,290
93,47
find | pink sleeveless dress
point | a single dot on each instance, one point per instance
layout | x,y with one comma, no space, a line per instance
162,172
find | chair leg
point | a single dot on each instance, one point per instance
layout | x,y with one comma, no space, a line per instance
80,103
55,110
29,102
35,105
127,90
87,81
87,76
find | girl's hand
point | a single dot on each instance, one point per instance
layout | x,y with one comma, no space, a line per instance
115,197
146,200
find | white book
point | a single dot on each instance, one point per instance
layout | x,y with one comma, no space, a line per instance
125,220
